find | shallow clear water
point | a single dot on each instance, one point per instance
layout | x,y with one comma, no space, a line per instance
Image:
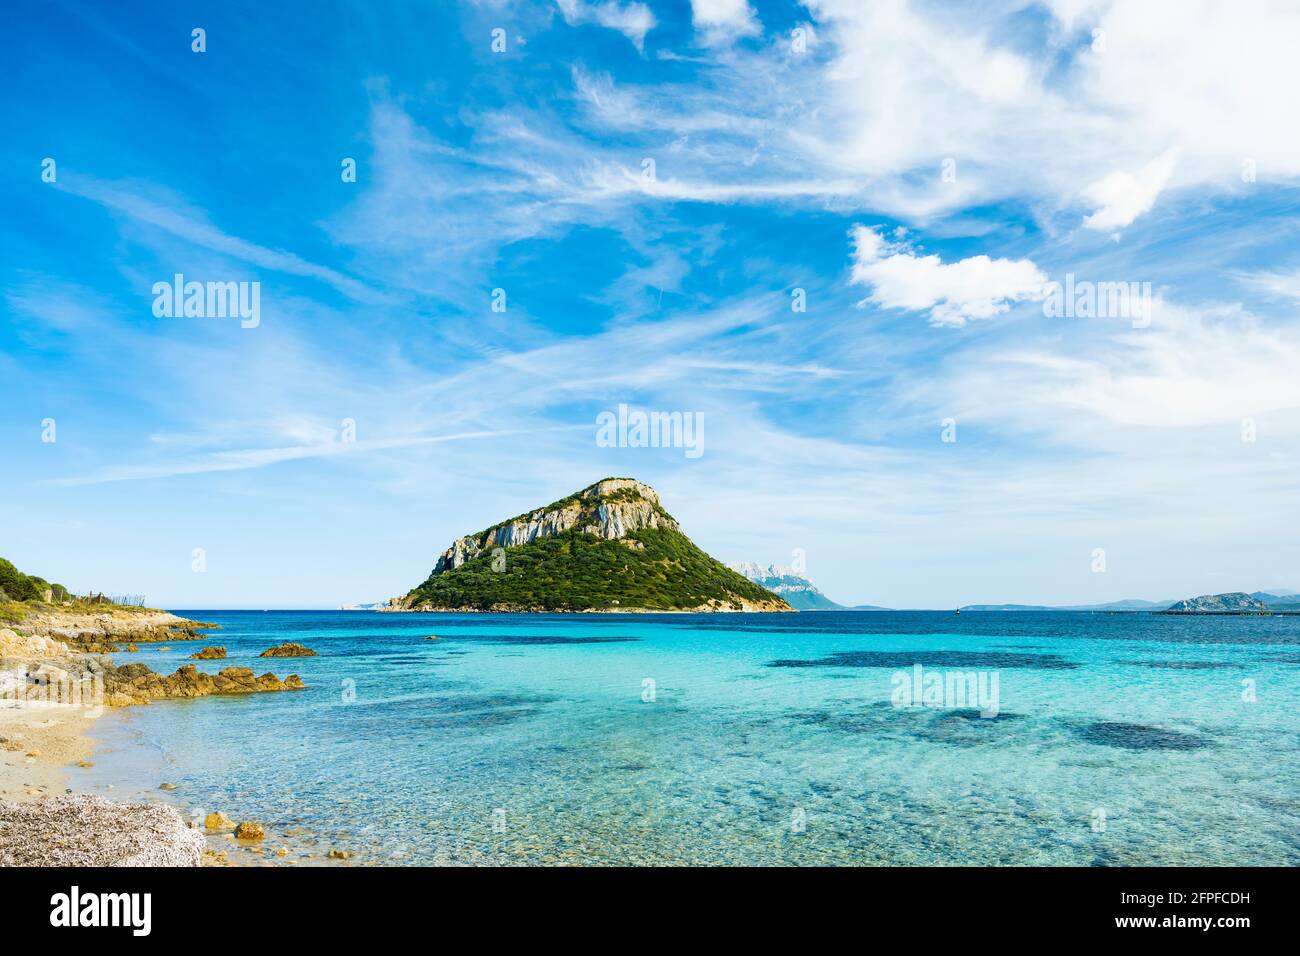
769,739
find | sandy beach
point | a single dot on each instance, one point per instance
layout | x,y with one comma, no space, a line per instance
55,682
38,742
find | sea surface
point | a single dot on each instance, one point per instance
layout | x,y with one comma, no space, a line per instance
1119,739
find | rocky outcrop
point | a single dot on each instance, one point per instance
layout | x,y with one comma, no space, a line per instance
29,646
288,650
101,632
209,654
137,684
1235,602
89,680
609,509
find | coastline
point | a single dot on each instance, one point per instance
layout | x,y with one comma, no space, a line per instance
747,607
56,681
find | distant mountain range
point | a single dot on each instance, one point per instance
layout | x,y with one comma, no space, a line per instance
1132,604
795,589
1231,602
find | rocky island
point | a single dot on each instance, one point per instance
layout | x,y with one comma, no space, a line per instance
609,547
1235,602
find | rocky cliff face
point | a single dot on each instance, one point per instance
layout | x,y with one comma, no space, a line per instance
609,509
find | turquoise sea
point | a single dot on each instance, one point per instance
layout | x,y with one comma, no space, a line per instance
1120,739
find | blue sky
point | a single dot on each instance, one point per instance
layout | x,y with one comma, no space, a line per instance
920,171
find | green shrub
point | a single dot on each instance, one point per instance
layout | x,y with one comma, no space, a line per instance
577,571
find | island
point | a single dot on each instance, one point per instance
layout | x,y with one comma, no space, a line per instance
610,547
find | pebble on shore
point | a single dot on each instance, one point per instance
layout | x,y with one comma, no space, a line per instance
249,830
218,822
83,830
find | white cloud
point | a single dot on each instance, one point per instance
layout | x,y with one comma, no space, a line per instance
1194,367
974,288
892,89
633,20
1122,197
1285,285
246,458
723,20
192,226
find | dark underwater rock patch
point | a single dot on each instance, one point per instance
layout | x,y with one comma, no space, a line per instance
1186,665
965,727
974,713
1109,733
962,660
961,727
536,639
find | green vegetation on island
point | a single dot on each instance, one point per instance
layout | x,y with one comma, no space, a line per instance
609,547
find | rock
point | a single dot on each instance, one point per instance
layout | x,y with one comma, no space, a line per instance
288,650
293,682
32,753
137,684
248,830
209,654
167,786
218,822
283,851
85,764
28,646
339,855
99,632
131,649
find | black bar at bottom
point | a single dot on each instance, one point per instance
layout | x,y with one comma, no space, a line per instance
333,904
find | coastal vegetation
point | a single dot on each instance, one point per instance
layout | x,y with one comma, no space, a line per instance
20,592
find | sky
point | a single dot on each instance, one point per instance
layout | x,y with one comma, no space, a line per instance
826,231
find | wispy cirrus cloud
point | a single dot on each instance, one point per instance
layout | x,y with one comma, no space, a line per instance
244,459
175,218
